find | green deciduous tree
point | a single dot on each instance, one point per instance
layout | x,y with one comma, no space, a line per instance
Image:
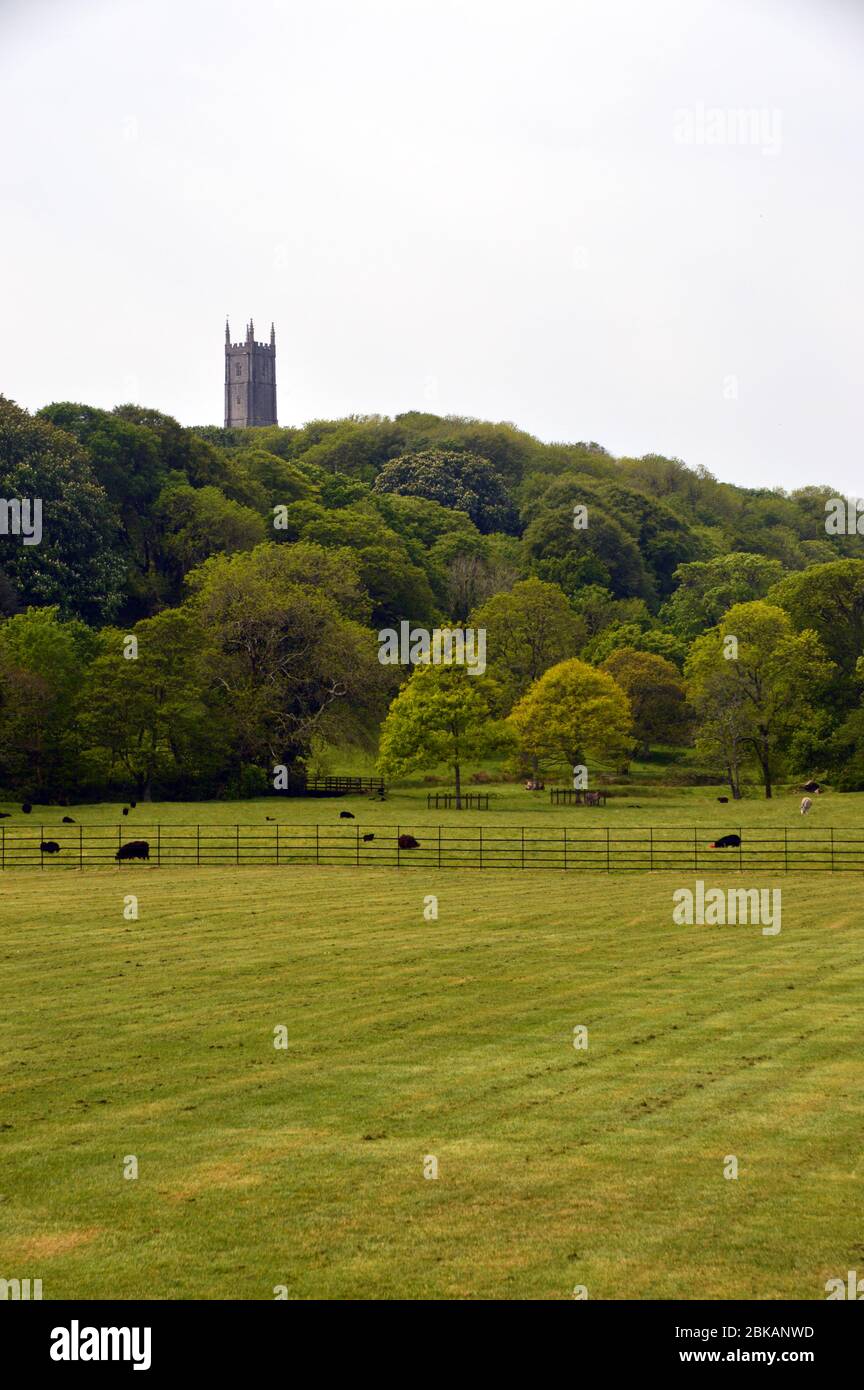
760,690
76,564
287,661
463,481
572,714
149,716
706,590
42,666
656,693
441,715
529,629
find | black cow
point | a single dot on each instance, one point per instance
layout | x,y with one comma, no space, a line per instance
49,847
368,837
346,815
135,849
67,820
408,842
125,810
133,804
726,842
4,815
723,800
26,808
811,787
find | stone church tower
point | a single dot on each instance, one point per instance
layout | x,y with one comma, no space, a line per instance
250,380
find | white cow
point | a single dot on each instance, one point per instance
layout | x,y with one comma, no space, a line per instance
806,803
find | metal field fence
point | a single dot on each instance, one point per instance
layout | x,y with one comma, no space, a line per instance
588,848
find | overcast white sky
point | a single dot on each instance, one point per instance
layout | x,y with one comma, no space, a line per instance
482,207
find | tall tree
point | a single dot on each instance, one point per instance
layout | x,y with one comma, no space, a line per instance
571,715
441,715
528,630
76,564
287,662
656,693
149,716
755,667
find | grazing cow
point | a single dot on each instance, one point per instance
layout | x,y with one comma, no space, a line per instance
26,808
408,842
4,815
724,800
368,837
133,804
806,803
812,787
135,849
726,842
125,810
67,820
49,847
346,815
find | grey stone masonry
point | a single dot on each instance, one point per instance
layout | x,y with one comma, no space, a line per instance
250,380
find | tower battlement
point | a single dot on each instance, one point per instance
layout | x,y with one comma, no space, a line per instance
250,380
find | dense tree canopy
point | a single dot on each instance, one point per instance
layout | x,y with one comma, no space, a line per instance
256,568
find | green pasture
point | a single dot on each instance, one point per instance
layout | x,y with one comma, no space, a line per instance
409,1040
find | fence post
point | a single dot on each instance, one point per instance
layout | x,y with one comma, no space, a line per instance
158,845
236,844
198,844
80,847
439,847
651,849
740,850
3,848
695,852
357,855
277,844
317,845
565,847
832,849
41,842
398,849
523,847
481,847
785,849
607,849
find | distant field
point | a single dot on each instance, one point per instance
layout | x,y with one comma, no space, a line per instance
407,1039
644,807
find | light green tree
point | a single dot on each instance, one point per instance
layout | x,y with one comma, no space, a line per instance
753,683
573,713
442,715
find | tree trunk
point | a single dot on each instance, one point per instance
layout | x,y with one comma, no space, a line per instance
457,774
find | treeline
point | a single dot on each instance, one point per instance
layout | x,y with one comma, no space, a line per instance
254,568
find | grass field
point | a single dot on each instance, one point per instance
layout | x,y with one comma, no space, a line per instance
303,1167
